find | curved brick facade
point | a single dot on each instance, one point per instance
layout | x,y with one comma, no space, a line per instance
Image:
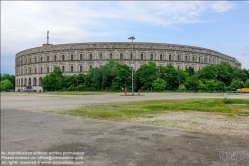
33,64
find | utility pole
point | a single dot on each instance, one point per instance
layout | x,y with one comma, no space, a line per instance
132,65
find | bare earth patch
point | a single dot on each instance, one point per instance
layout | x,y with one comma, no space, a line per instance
204,122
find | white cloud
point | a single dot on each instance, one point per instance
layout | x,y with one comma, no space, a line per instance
222,6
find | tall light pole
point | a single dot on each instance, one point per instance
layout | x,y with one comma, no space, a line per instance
132,65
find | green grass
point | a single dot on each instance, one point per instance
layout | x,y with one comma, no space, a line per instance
127,110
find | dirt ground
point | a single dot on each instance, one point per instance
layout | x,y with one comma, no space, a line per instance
203,138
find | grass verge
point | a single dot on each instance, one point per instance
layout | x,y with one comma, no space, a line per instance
124,111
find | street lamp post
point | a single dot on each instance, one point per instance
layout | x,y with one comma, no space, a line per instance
132,38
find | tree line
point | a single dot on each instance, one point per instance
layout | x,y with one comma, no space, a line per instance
7,82
115,76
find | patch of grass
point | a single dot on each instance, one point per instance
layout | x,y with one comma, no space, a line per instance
127,110
236,101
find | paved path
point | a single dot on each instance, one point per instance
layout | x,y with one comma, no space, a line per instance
111,143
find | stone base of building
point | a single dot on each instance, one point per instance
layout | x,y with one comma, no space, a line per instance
33,88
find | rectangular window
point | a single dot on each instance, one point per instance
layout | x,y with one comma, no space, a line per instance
47,69
63,69
141,57
151,57
100,56
110,56
71,69
91,57
131,56
71,57
81,57
80,68
161,57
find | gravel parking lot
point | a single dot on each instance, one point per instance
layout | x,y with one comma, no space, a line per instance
26,128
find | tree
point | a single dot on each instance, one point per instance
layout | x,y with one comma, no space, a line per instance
190,70
170,75
159,84
182,87
224,72
145,75
247,83
6,84
207,72
192,83
239,74
11,78
214,85
53,81
236,84
121,77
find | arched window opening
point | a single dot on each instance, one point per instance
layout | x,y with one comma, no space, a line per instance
40,81
151,57
34,81
141,57
100,56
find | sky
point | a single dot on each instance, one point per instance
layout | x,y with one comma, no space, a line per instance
222,26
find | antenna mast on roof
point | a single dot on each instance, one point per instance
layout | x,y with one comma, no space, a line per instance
47,36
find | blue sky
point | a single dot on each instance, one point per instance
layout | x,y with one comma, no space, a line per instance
222,26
